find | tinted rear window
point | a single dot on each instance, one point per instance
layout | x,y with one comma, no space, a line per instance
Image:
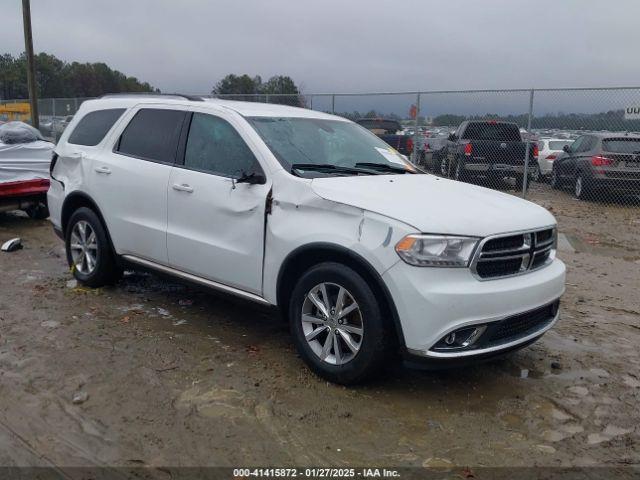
94,126
492,131
556,145
621,145
152,134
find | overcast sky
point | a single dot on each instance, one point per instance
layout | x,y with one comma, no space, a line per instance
343,45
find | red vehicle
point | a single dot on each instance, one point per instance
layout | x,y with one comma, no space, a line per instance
27,195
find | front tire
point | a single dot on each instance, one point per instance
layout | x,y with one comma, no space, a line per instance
337,324
89,252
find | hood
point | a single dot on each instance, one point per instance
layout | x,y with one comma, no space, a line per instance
435,205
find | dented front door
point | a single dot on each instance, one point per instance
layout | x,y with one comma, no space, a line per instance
216,228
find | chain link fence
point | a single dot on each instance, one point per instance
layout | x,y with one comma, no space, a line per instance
575,151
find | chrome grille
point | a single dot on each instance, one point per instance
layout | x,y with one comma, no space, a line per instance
513,253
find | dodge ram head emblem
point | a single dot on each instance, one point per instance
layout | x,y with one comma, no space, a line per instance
503,145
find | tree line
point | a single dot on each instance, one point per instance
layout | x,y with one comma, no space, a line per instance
58,79
612,120
246,88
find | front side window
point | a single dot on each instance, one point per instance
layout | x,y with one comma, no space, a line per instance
152,134
92,128
577,145
214,146
321,147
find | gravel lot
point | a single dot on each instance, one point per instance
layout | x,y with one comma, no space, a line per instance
155,373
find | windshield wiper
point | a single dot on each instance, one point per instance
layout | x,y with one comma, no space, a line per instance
384,167
329,168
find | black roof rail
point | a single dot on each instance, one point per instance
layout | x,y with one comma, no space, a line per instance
196,98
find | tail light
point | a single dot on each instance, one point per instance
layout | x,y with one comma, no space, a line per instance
468,149
552,157
535,150
598,161
409,145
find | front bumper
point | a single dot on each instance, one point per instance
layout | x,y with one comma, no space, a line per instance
433,302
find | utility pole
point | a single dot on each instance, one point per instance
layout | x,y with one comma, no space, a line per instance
31,64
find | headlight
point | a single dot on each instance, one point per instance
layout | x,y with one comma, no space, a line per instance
436,250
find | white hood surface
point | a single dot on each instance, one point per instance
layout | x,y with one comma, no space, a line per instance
435,205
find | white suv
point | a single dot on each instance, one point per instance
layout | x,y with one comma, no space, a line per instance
313,214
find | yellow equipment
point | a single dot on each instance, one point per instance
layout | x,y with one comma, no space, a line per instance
15,111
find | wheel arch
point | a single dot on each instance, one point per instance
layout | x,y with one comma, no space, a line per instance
73,202
306,256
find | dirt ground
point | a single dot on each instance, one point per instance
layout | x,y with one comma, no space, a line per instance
166,375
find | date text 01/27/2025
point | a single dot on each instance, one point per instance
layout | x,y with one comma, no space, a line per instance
315,473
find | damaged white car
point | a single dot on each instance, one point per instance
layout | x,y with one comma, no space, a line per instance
313,214
24,169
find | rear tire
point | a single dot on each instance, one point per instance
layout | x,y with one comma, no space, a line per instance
582,189
362,339
536,176
89,251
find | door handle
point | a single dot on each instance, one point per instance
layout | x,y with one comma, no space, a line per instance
183,187
104,170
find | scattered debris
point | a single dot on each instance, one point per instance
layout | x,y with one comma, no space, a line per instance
80,397
73,283
546,448
163,312
186,302
556,366
524,373
12,245
179,322
50,324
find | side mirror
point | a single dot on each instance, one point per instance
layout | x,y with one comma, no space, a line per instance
252,178
452,137
567,148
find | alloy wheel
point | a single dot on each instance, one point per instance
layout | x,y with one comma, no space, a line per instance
332,323
84,247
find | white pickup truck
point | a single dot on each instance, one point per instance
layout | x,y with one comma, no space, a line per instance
310,213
